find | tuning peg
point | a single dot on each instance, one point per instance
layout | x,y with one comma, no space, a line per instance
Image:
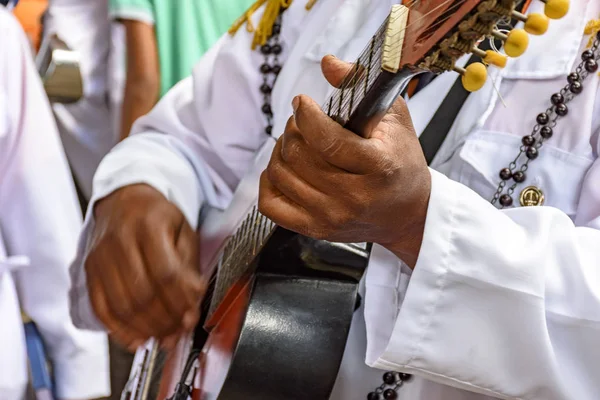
473,77
515,42
556,9
490,57
535,24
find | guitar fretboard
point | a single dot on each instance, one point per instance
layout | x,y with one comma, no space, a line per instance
238,253
250,237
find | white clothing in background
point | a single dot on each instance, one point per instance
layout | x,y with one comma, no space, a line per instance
89,128
39,222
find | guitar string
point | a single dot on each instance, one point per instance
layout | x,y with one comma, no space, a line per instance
343,108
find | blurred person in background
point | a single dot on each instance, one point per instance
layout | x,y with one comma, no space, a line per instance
164,40
29,13
39,222
88,128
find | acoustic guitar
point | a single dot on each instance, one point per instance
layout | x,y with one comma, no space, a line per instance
277,317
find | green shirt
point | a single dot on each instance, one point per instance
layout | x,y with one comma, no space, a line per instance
185,29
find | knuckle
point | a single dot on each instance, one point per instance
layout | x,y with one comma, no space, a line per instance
168,275
331,147
339,220
276,172
142,300
293,149
124,311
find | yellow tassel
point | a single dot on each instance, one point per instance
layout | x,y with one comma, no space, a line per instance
310,4
592,28
265,26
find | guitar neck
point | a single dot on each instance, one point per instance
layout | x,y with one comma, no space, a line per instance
367,93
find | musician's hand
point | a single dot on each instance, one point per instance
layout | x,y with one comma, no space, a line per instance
325,182
142,267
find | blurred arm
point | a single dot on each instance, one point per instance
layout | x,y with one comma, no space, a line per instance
142,87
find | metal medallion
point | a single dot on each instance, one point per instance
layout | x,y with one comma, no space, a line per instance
532,196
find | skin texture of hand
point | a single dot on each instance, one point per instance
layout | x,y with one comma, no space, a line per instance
328,183
142,268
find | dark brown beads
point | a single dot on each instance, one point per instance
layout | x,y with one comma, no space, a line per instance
542,119
506,200
405,377
373,396
528,140
591,66
505,174
532,153
562,109
276,29
390,394
519,176
546,132
276,49
389,378
557,98
573,77
576,87
587,55
269,130
265,69
266,108
276,69
265,49
265,89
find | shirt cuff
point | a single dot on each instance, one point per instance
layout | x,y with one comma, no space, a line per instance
442,330
131,13
84,375
141,159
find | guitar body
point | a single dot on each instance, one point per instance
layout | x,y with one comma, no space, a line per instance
284,329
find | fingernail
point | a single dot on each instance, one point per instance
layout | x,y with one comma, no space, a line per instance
296,104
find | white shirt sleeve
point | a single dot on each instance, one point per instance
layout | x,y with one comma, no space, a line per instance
505,303
194,146
40,219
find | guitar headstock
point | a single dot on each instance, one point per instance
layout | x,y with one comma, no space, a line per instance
432,34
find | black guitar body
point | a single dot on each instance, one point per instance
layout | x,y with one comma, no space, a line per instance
297,311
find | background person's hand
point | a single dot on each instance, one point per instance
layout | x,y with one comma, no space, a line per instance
142,267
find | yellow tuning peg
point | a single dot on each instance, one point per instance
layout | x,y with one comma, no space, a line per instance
515,43
473,77
535,24
556,9
490,57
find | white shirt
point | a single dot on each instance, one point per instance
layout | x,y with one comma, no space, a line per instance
39,221
89,128
501,304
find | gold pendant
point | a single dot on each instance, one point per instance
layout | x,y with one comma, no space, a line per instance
532,196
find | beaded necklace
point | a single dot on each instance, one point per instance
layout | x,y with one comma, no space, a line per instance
513,176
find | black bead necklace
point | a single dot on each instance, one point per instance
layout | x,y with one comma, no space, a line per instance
531,144
513,175
270,69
